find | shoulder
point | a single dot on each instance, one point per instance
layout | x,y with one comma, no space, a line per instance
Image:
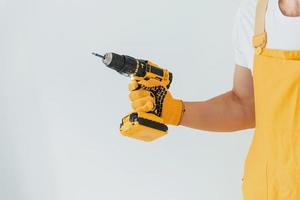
246,11
245,19
243,31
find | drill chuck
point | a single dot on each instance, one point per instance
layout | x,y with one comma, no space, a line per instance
121,63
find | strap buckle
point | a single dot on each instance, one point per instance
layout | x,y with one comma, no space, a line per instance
259,42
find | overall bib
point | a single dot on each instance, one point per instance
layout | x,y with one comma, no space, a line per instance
272,166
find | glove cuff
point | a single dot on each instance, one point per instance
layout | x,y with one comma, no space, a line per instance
175,113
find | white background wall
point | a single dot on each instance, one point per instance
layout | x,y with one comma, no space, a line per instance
60,108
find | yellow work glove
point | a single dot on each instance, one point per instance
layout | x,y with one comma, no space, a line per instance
151,96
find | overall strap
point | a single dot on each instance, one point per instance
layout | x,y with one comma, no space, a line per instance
260,36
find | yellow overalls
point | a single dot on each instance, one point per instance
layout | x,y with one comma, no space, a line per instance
272,166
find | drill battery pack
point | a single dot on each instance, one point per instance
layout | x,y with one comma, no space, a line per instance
143,126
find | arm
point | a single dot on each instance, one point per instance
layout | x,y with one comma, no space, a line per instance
231,111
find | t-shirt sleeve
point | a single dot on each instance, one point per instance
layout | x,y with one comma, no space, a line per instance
243,31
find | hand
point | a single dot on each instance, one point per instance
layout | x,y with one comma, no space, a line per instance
151,96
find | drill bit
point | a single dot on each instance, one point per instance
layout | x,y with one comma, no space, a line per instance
95,54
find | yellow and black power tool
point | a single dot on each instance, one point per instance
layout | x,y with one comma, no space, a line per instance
140,125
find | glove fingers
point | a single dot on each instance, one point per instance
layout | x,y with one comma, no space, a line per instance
133,84
138,94
150,82
144,104
146,108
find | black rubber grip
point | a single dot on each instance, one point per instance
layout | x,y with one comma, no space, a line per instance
157,71
170,80
152,124
146,122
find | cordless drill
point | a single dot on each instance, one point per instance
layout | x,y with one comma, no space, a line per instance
141,125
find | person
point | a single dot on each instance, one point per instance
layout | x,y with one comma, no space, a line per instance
265,96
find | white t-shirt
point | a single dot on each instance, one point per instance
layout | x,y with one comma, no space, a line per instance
282,32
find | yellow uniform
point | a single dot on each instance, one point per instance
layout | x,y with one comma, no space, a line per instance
272,166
